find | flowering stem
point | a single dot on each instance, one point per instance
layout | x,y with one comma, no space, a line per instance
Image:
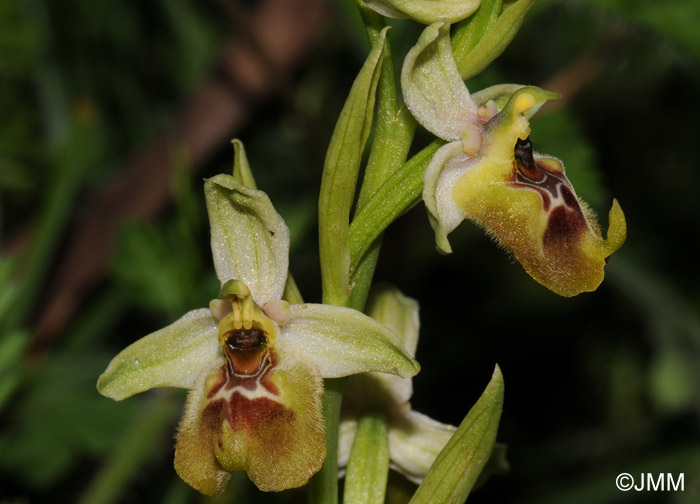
323,487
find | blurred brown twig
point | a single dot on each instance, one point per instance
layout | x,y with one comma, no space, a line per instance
251,66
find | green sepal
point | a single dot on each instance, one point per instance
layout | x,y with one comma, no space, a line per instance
340,172
368,465
170,357
249,239
496,35
457,467
342,341
467,33
425,11
241,168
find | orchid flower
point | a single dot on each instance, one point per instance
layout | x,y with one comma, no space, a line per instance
488,172
414,439
425,11
253,362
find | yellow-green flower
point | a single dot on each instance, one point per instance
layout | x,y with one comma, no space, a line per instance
488,173
253,362
425,11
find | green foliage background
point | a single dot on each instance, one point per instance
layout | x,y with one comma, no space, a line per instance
596,385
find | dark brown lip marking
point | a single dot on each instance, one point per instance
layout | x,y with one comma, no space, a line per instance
566,221
525,160
229,377
246,339
245,350
548,184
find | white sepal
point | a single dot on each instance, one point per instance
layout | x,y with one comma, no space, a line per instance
432,87
399,313
414,443
341,341
425,11
249,239
170,357
448,164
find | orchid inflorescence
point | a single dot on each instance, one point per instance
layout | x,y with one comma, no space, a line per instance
255,359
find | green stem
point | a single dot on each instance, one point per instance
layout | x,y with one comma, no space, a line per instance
323,487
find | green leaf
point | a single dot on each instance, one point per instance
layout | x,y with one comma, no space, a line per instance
457,467
12,347
393,135
394,126
249,239
368,466
340,172
342,341
472,58
468,33
397,195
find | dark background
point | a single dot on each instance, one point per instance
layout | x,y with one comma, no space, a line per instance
113,112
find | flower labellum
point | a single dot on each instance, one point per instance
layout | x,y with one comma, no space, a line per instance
488,173
253,363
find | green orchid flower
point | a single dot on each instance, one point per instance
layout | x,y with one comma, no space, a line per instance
425,11
415,440
488,173
253,363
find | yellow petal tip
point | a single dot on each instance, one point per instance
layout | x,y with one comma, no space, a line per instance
617,229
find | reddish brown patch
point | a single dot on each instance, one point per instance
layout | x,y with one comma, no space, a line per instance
244,415
250,415
219,383
564,227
